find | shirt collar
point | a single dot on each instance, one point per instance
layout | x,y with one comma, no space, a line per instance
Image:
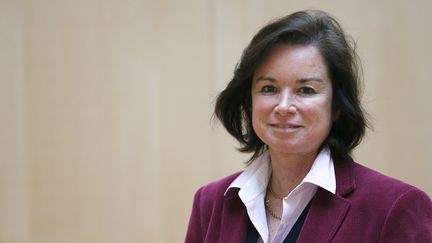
322,172
254,179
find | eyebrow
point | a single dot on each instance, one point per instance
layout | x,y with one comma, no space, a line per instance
265,78
311,79
302,80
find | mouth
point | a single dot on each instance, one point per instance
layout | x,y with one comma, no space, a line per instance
285,126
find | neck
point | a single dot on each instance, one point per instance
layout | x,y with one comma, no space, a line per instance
289,170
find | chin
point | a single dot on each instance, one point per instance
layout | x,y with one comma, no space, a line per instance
297,148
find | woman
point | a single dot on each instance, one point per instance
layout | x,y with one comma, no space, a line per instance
294,103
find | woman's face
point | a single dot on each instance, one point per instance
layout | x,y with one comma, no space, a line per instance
291,100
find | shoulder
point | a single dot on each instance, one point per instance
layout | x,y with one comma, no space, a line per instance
208,210
386,192
372,181
214,191
402,211
370,189
208,201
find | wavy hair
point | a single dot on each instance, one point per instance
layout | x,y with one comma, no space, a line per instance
310,27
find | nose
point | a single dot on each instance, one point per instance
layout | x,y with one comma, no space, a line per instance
286,104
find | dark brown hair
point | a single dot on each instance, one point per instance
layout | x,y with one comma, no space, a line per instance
311,27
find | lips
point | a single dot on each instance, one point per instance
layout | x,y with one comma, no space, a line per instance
285,126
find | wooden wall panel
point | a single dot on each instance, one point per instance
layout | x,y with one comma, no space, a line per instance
106,107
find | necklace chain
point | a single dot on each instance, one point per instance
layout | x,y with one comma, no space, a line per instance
274,193
267,201
269,210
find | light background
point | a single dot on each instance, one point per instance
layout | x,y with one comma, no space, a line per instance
105,112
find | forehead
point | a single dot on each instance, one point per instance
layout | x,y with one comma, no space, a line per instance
293,61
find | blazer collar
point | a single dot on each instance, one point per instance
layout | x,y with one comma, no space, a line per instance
328,211
234,222
345,180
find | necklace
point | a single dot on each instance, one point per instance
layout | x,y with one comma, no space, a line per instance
267,201
273,193
269,210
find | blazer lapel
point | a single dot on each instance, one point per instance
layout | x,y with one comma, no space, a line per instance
234,223
324,218
327,210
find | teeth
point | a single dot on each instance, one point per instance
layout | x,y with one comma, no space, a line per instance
286,126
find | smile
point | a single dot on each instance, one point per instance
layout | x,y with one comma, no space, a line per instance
285,126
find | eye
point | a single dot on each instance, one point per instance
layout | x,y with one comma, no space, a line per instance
268,89
307,90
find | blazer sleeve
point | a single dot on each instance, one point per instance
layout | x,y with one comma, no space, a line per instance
409,219
195,229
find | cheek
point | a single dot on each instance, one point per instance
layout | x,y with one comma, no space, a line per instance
319,112
261,111
326,116
262,105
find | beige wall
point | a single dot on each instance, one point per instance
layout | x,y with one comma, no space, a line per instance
105,112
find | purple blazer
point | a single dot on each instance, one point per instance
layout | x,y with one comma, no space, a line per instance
367,207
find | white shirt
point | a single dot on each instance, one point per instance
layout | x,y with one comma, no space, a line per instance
253,184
